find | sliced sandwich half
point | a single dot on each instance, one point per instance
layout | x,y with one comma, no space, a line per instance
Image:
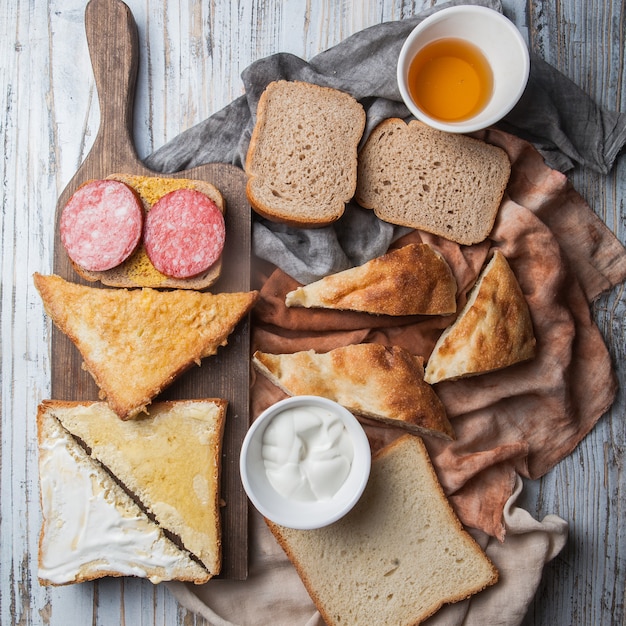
137,498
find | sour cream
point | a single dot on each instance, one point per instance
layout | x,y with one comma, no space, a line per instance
307,453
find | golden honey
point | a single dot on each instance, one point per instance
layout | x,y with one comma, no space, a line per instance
450,80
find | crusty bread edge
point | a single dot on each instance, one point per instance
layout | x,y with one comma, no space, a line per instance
276,531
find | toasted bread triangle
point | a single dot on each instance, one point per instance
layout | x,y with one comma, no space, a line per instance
169,461
136,342
91,527
493,331
385,384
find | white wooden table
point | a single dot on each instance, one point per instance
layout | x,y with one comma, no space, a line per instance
191,56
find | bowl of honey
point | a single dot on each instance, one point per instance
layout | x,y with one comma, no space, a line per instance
463,68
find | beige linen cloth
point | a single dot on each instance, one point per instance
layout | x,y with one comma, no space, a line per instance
515,423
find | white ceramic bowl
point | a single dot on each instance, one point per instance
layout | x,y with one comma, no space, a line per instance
502,45
294,513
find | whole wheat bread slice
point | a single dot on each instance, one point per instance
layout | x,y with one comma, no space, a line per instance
302,159
446,184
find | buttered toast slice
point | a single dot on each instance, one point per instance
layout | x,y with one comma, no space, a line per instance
494,330
168,461
412,280
385,384
136,342
111,492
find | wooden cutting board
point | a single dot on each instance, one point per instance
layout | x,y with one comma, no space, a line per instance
113,45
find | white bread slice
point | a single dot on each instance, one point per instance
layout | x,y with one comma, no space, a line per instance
494,330
412,280
302,159
385,384
169,461
136,342
446,184
137,270
398,556
91,528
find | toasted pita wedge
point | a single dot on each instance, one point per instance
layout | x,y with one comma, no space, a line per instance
136,342
412,280
494,330
385,384
167,463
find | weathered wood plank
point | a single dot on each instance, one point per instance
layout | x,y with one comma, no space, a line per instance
192,56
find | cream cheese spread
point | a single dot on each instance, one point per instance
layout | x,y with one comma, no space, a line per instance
307,453
91,526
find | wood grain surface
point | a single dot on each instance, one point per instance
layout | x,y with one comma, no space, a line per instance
191,57
113,46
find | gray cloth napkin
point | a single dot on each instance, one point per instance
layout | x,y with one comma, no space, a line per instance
563,123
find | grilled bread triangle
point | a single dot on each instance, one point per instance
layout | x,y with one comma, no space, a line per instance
385,384
92,527
136,342
494,330
168,461
412,280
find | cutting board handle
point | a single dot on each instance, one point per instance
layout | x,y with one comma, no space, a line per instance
114,50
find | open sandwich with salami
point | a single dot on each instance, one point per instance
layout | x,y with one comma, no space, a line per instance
145,231
136,342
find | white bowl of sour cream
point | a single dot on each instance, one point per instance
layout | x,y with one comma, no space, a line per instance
305,462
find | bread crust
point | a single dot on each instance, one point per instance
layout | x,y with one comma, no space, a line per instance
412,280
302,157
136,342
447,184
380,538
137,270
95,430
383,383
493,331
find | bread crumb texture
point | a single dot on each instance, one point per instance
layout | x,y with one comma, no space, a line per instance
302,157
447,184
398,556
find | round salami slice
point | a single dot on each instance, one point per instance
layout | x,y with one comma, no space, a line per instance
101,224
184,233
